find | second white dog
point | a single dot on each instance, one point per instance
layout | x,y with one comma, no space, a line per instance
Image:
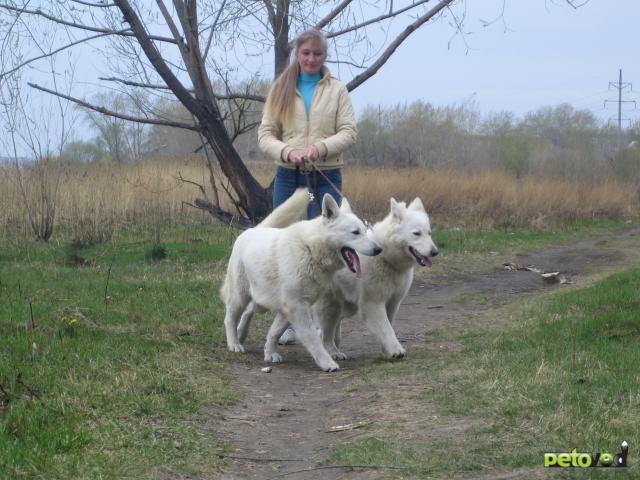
405,238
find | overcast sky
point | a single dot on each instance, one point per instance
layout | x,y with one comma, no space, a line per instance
545,53
540,53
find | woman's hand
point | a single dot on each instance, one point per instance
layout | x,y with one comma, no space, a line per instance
309,154
296,157
312,154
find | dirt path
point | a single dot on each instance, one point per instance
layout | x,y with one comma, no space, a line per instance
281,425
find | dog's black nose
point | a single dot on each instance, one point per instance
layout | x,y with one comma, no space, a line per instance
434,252
376,251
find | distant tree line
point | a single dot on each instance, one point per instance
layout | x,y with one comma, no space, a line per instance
551,141
555,141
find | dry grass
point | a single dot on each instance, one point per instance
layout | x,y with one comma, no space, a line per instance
490,198
94,200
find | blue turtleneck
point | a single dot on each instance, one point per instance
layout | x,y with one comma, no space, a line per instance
307,86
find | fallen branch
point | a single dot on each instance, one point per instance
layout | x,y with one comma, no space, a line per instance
225,217
31,391
327,467
348,426
6,398
252,459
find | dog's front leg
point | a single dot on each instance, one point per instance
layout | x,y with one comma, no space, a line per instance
375,316
302,321
277,328
328,313
392,308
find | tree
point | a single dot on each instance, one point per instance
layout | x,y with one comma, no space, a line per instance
122,140
38,176
193,45
81,152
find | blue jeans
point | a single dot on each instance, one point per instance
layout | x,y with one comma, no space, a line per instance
286,183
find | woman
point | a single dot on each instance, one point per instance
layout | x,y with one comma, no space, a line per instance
307,124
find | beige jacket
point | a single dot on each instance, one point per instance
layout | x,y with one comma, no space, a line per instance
330,126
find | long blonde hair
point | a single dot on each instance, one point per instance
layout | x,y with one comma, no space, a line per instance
282,95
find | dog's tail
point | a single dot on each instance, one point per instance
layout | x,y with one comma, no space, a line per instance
225,290
292,210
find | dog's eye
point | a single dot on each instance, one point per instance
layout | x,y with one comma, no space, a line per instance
356,232
417,234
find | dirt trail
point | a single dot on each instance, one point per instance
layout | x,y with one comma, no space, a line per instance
280,428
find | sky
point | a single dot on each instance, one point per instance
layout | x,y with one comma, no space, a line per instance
537,53
544,53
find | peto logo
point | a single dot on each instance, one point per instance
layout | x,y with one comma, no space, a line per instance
586,460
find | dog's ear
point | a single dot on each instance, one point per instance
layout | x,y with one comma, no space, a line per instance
397,209
416,204
330,208
345,207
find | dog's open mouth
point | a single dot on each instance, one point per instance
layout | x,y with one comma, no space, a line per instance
421,259
352,260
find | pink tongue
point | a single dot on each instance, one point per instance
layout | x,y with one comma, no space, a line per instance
355,261
424,261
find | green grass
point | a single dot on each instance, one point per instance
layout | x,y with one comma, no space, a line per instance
112,357
458,241
111,367
548,377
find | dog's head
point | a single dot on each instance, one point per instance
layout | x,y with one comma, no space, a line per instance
348,233
410,231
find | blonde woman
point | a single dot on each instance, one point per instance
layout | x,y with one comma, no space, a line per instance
308,122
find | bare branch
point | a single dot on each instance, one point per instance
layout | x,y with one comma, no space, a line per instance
79,25
213,29
333,14
373,69
170,23
58,50
225,217
577,3
191,182
151,121
376,19
99,5
271,14
155,57
347,62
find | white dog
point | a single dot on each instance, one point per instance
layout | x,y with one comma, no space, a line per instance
405,238
286,270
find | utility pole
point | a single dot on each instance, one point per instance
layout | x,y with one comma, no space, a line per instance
620,87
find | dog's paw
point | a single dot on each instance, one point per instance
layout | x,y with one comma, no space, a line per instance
330,366
236,347
338,355
273,357
396,352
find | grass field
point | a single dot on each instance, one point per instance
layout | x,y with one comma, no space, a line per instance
112,357
110,361
549,376
112,352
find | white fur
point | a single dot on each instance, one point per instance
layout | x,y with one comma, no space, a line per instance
286,270
385,281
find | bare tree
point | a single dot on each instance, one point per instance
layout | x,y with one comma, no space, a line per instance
122,140
38,174
185,47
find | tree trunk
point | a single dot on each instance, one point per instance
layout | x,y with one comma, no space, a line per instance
253,199
281,37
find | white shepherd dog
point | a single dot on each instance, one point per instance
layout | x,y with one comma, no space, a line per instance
405,238
286,270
